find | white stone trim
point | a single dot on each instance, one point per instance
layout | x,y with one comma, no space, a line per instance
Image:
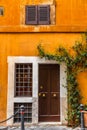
63,93
34,99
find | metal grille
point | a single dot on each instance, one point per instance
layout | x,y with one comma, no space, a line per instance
23,80
27,113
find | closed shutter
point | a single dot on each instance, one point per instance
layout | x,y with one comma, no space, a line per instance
31,14
44,14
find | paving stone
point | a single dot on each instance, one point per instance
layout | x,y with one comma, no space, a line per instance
44,128
3,128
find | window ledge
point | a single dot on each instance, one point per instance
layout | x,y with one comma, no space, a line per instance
23,99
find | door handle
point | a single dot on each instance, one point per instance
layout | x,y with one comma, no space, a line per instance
43,95
54,95
39,94
41,87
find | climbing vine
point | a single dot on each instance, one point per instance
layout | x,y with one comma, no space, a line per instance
75,63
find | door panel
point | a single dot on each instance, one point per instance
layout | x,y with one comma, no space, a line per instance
49,92
53,103
43,108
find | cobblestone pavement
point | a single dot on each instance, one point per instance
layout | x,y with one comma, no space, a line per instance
41,128
46,128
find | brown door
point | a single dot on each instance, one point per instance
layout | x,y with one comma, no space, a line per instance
49,92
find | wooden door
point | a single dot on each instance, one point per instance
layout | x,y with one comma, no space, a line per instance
49,92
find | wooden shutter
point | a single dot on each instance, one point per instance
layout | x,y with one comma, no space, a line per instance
31,14
44,14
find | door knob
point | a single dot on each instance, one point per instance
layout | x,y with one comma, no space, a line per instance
39,94
41,87
54,95
44,95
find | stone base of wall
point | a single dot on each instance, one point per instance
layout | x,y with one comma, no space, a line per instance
63,110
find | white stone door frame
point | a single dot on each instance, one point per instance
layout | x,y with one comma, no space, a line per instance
34,99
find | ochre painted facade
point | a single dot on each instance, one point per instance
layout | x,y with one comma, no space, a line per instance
69,17
18,39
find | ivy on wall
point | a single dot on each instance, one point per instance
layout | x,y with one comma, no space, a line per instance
75,63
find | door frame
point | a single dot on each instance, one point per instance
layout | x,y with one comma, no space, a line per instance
35,60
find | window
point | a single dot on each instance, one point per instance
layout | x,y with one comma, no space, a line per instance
23,80
27,115
1,11
37,15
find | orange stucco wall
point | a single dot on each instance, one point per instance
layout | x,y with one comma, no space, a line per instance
25,44
82,79
71,17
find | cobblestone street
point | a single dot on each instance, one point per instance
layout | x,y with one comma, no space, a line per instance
41,128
